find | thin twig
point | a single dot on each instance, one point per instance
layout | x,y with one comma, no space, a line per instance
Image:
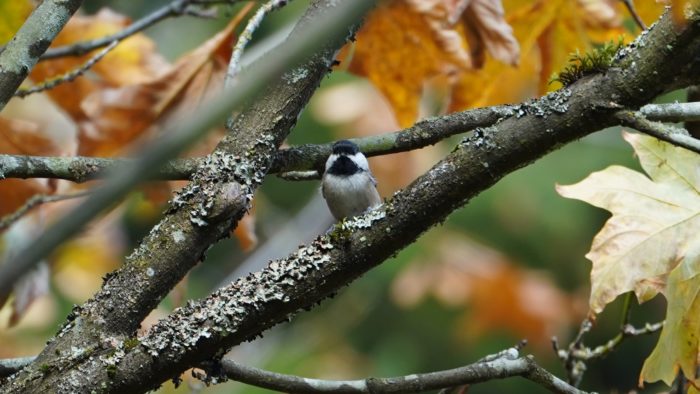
627,331
34,201
633,11
300,175
246,35
672,112
173,9
502,365
69,76
673,135
577,354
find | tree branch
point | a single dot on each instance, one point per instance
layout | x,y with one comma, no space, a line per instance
305,162
633,11
69,76
577,354
672,112
502,365
508,364
246,35
37,199
81,169
304,157
36,34
173,9
670,134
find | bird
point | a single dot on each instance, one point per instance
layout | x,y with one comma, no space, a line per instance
348,185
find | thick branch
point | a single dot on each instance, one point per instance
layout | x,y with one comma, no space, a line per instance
23,51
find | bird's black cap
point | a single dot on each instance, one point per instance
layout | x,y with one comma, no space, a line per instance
345,147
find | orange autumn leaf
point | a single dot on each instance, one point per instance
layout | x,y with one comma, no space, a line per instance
22,138
116,116
405,42
495,293
134,60
135,90
650,10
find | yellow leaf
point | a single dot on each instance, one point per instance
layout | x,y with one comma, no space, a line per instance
654,225
399,47
678,343
487,85
649,10
12,16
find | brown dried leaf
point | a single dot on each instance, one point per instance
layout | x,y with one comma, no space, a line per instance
116,116
134,60
22,138
485,19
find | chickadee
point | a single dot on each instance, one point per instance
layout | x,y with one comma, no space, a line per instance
348,185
